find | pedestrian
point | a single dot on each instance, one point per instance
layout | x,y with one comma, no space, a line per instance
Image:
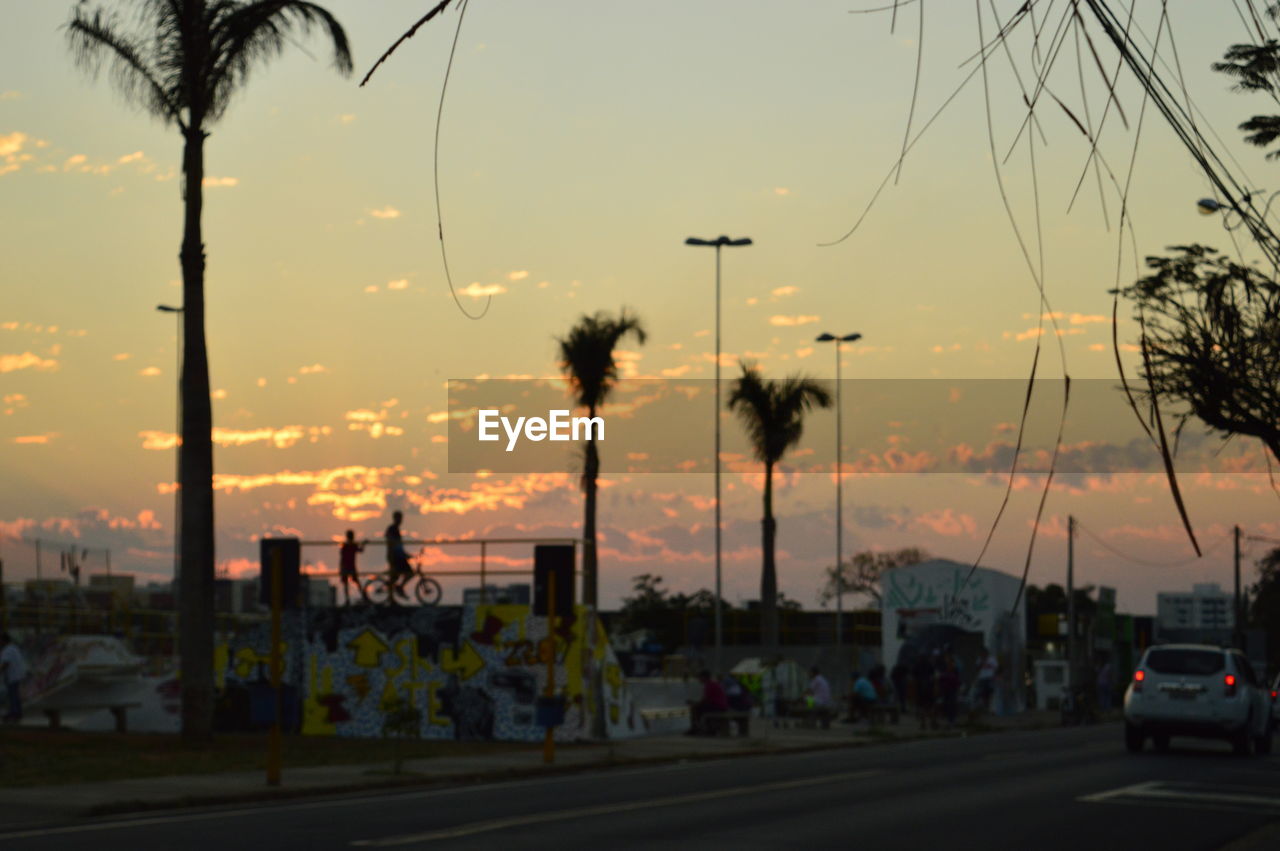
397,559
949,689
347,571
819,693
863,699
926,710
713,700
987,671
13,670
1106,685
899,676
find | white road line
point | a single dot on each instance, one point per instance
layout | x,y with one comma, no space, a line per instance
1116,793
353,799
1152,791
605,809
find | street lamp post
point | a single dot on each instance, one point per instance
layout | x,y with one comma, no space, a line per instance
717,244
177,448
847,338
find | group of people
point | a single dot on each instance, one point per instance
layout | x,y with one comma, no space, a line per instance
727,695
398,566
936,683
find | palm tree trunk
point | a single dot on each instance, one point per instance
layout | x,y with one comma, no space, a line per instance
769,573
195,581
589,563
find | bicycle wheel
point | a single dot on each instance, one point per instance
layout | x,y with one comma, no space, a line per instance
377,591
428,591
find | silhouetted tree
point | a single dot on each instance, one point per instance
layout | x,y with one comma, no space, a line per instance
1256,69
1211,339
1264,608
772,412
183,61
586,356
861,574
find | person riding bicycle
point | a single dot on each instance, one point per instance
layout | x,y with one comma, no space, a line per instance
398,566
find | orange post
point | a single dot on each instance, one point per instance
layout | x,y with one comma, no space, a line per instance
277,602
549,743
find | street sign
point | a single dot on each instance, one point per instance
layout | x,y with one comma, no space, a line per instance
290,555
557,558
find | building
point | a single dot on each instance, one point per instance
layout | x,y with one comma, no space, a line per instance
494,595
1206,607
942,605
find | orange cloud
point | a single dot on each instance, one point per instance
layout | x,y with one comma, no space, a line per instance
387,212
27,360
220,182
792,321
47,437
477,290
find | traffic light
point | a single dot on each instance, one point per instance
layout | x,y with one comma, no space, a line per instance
558,559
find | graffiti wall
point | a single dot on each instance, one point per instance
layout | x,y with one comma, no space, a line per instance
943,604
466,672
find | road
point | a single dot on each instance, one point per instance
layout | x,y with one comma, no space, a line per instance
1047,789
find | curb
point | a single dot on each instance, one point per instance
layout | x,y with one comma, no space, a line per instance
468,778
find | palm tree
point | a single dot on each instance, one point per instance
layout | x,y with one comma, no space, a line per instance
772,412
586,356
181,61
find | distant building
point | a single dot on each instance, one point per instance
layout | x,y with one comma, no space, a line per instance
510,595
1206,607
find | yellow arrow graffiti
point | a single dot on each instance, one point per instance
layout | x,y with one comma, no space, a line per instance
466,662
368,647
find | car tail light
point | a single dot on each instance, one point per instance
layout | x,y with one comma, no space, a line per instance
1273,694
1229,682
1138,676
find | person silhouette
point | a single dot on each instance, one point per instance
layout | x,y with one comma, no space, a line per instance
347,571
397,559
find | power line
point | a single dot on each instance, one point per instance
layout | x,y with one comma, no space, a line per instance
1147,562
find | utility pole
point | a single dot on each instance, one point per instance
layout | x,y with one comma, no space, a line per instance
1236,628
1071,607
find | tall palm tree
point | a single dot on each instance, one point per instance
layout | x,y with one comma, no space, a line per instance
772,412
182,61
586,356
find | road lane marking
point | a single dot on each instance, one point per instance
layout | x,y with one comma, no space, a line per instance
213,811
1156,791
605,809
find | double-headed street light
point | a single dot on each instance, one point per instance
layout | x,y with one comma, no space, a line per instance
832,338
718,243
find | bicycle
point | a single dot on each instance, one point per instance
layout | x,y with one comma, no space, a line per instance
378,588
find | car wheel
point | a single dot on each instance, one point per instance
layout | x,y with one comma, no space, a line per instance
1242,741
1133,738
1161,741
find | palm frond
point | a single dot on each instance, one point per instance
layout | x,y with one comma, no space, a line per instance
587,353
772,412
97,40
242,35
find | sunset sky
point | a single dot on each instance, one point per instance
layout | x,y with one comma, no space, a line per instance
581,143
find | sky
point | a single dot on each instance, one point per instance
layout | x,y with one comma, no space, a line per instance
582,142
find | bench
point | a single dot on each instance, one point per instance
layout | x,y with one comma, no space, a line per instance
118,710
722,723
662,713
876,713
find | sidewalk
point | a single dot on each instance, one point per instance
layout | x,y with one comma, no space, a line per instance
66,802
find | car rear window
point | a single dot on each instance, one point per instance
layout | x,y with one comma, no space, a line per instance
1190,662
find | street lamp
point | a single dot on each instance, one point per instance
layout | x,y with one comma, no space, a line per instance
847,338
718,243
177,448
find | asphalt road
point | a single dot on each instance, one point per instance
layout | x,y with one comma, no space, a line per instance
1050,789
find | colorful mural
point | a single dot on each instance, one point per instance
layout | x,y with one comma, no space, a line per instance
472,672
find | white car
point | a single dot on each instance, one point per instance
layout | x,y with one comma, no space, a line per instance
1197,690
1275,703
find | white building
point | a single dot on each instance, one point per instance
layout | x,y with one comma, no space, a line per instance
1207,606
946,605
